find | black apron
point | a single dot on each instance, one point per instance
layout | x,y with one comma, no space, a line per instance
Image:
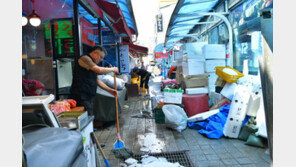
84,83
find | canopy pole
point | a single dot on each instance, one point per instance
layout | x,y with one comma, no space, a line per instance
229,61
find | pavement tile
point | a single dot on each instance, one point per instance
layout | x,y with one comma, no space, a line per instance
249,165
230,161
224,156
209,164
198,157
243,161
212,157
264,164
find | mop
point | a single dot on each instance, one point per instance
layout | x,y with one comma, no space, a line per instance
119,149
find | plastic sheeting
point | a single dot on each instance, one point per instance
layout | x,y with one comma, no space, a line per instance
213,126
105,112
49,146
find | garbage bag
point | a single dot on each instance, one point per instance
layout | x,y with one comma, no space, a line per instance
109,81
256,141
175,117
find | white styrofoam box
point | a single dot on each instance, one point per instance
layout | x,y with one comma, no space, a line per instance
178,55
261,121
237,112
193,67
194,50
195,91
232,128
212,79
212,88
202,116
214,51
215,97
173,97
228,90
212,64
254,104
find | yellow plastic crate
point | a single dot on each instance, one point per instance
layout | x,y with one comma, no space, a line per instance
227,77
135,80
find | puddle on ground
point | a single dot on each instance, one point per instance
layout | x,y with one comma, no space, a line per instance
149,143
150,161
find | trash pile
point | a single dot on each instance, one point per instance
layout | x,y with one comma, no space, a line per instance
149,161
216,104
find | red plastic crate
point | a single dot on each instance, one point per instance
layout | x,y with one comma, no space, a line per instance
195,104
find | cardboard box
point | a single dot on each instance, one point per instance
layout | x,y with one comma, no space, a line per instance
212,64
193,67
179,73
214,51
196,91
194,81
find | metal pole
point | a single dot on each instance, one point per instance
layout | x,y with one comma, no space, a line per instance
100,32
55,61
77,31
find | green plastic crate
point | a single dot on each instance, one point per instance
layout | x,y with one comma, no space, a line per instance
159,116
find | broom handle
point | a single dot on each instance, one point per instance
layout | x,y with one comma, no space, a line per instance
116,107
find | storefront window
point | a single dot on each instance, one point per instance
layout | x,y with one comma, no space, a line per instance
39,63
245,20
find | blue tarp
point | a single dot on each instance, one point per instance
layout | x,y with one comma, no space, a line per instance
213,126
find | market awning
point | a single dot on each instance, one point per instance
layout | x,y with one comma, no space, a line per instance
115,15
136,48
185,17
127,11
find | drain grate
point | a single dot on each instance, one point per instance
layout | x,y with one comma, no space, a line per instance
175,156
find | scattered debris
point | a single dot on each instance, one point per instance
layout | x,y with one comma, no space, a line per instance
151,161
150,143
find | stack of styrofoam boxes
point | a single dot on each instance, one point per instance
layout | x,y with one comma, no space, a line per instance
193,59
237,112
194,65
178,57
215,56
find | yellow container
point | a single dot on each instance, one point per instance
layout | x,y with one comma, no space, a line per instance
136,81
227,77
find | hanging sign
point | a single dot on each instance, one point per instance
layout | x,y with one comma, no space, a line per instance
124,59
160,55
63,37
159,22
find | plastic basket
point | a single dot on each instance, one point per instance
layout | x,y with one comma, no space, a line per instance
227,77
136,81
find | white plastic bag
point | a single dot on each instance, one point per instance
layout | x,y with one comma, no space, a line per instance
175,117
109,81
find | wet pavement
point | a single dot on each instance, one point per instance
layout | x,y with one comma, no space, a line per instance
144,135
